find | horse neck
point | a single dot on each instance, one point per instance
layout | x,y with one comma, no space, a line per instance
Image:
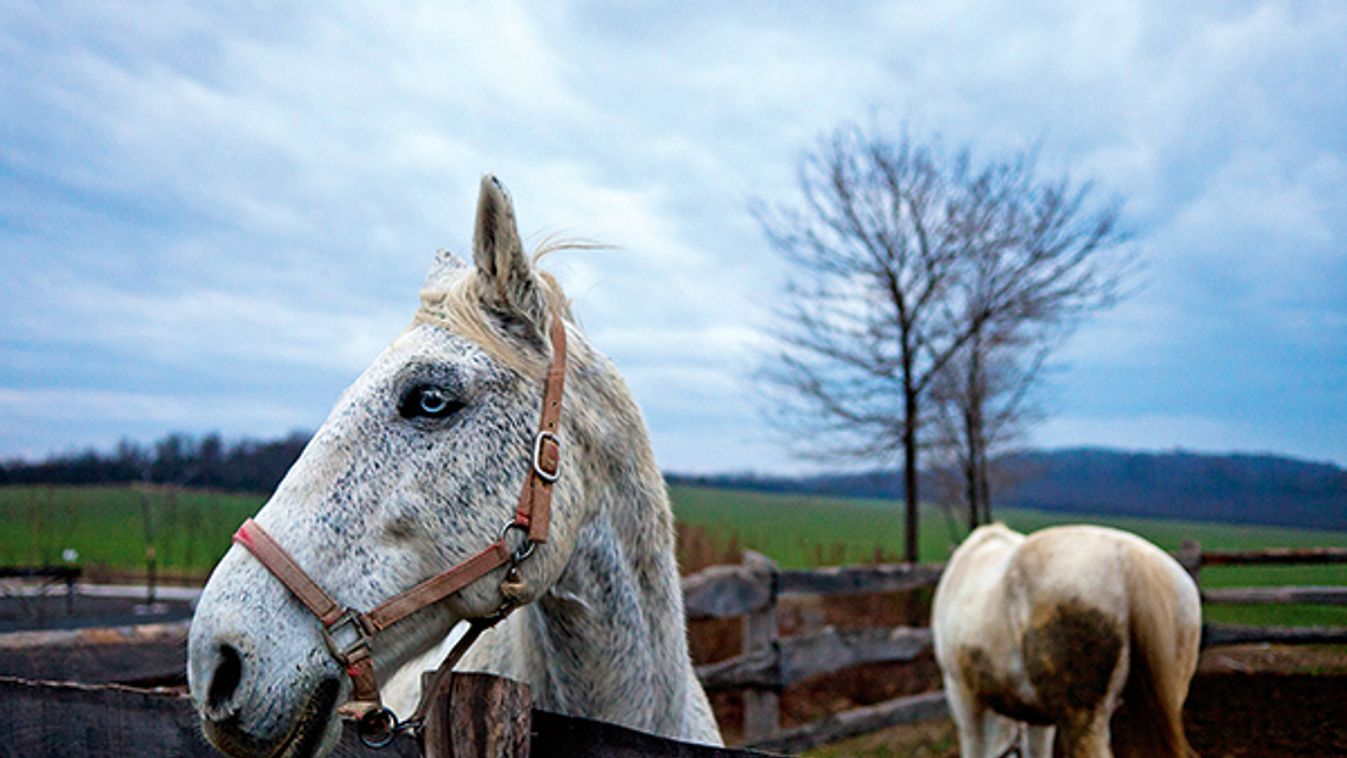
611,631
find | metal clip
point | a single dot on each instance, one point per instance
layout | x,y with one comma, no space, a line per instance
525,548
356,620
379,727
544,474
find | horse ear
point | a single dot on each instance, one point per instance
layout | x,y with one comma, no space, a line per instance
507,276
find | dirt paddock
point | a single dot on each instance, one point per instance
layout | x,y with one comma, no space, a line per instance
1245,701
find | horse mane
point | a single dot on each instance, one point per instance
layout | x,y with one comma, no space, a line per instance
455,302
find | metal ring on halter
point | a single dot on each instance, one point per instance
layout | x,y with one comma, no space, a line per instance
525,548
378,728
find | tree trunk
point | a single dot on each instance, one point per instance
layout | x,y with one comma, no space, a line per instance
910,472
985,486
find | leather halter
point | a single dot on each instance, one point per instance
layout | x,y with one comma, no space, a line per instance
353,651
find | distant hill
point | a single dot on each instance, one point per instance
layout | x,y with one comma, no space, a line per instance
1237,488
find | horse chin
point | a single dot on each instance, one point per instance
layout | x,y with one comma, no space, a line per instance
315,730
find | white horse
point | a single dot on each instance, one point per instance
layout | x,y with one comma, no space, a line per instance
1055,631
417,467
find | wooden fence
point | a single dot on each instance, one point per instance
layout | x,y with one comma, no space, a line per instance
56,719
1194,558
769,662
486,716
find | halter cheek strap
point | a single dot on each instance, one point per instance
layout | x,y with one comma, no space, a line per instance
348,632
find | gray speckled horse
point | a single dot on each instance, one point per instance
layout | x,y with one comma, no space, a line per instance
417,467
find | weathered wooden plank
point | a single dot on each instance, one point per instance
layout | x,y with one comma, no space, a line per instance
830,649
557,736
762,705
1276,595
65,719
756,668
44,719
857,721
843,580
488,716
1214,635
147,653
1275,555
68,719
806,655
67,573
725,591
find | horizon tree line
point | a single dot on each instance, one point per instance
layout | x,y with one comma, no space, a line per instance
207,462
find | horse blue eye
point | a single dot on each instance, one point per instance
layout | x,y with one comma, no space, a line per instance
428,402
433,402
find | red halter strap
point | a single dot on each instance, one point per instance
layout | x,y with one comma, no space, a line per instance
351,647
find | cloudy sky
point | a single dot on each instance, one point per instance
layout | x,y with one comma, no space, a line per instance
214,219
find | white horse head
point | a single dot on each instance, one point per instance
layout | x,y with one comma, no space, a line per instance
417,468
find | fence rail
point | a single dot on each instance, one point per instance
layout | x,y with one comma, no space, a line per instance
484,717
41,718
1274,555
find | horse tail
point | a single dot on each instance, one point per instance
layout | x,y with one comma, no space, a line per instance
1164,646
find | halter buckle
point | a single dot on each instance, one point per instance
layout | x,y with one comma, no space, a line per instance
543,473
344,651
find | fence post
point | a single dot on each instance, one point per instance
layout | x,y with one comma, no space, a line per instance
1190,557
762,705
477,715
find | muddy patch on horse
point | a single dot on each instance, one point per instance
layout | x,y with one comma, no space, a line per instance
1070,653
985,681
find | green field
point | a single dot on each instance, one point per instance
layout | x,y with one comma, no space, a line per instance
106,525
800,531
191,530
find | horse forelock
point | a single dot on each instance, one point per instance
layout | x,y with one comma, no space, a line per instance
454,303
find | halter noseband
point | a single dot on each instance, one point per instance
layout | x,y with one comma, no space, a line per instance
379,724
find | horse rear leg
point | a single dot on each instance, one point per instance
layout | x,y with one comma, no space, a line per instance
1039,742
970,716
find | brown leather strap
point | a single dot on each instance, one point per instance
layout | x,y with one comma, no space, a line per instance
534,514
364,687
440,586
357,660
279,563
535,502
428,693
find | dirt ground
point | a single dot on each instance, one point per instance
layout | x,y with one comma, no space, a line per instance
1253,700
20,612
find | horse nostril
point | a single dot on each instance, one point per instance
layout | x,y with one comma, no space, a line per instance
226,678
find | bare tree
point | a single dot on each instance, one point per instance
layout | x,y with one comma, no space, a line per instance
982,404
882,293
1048,255
861,323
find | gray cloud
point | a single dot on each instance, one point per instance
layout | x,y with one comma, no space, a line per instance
233,209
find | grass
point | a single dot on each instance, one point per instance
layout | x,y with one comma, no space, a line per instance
799,531
191,530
